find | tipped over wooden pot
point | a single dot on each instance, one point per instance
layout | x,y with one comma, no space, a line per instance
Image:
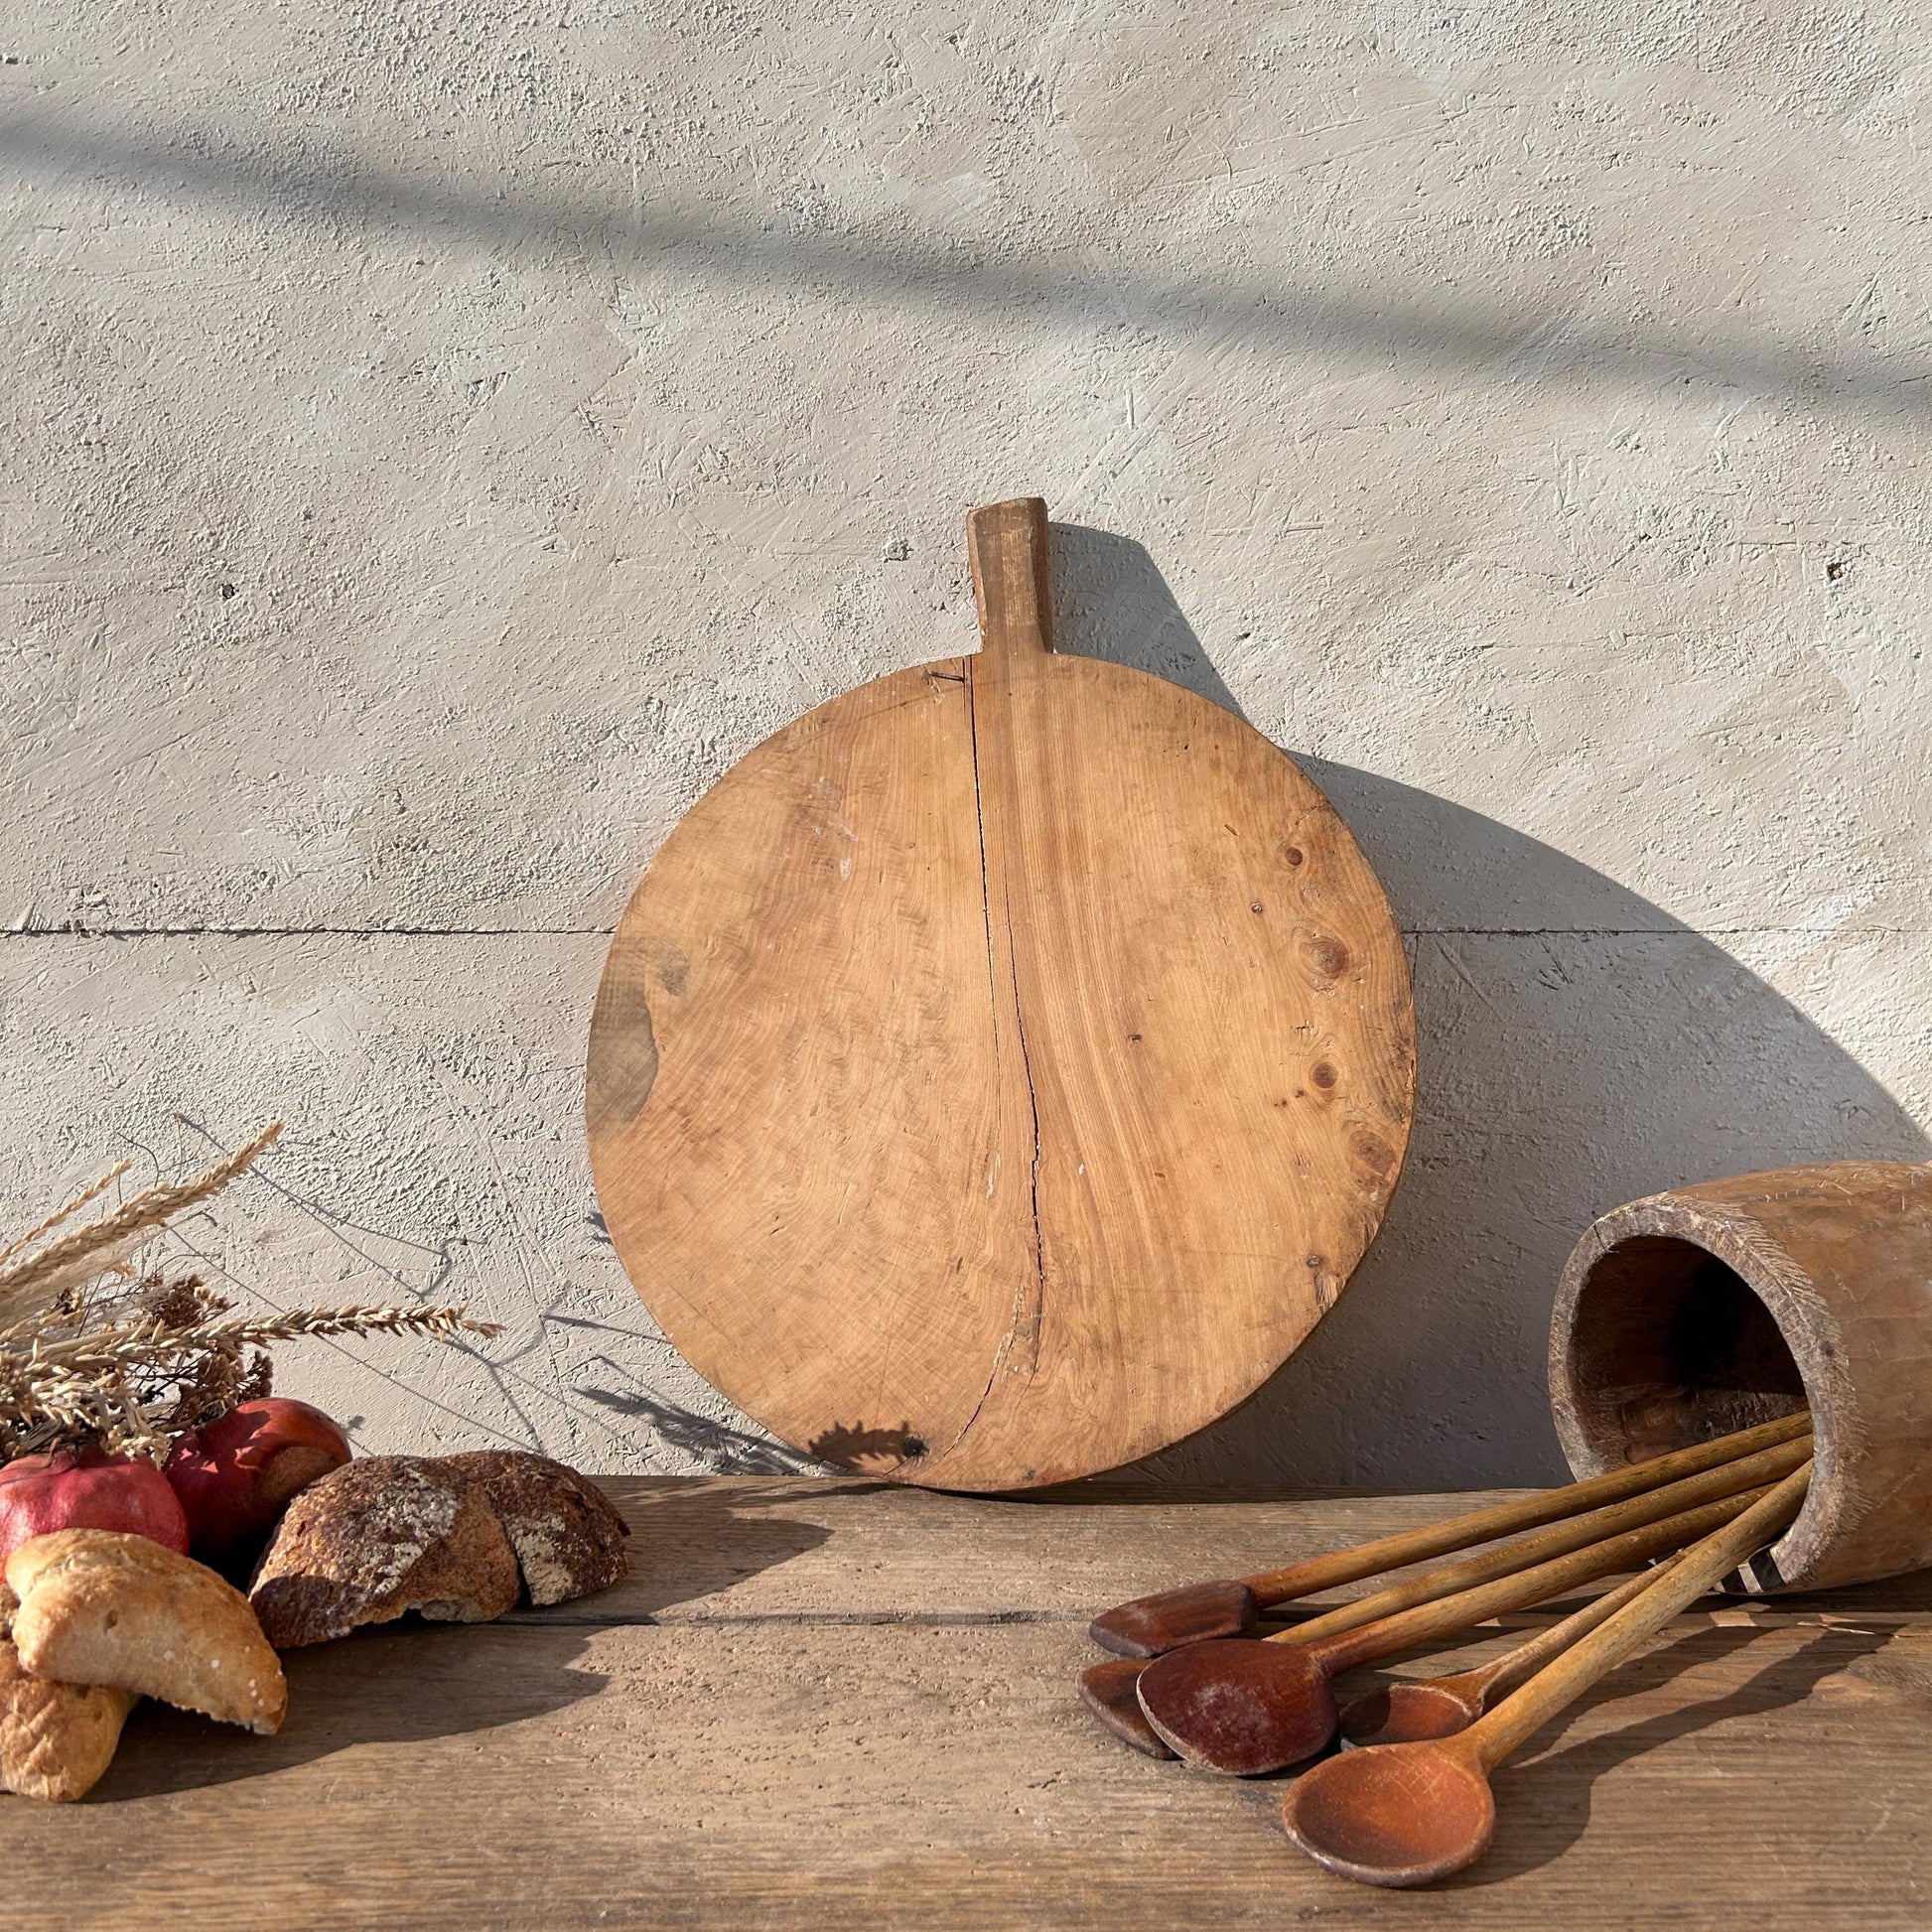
1710,1308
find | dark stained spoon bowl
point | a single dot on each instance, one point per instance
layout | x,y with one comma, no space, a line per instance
1407,1713
1240,1705
1107,1690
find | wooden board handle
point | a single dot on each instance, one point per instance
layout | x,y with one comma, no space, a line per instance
1006,544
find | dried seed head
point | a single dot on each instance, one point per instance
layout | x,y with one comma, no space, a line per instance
91,1352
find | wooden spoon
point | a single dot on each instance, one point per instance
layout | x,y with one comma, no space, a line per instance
1405,1814
1557,1539
1245,1706
1149,1626
1108,1690
1439,1707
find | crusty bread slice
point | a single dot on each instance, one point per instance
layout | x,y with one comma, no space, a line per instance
101,1607
568,1539
377,1537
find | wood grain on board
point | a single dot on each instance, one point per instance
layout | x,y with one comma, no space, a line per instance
768,1761
1001,1070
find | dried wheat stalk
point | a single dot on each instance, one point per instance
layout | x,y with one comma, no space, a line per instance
70,1207
91,1353
40,1279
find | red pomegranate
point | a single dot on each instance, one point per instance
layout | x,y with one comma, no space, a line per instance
234,1477
88,1489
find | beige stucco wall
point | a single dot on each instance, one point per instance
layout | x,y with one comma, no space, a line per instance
438,439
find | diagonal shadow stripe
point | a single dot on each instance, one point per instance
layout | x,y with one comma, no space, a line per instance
1048,285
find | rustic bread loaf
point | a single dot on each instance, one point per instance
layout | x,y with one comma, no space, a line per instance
568,1539
55,1739
377,1537
97,1606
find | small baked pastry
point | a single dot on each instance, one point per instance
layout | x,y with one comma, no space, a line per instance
568,1539
97,1606
55,1739
377,1537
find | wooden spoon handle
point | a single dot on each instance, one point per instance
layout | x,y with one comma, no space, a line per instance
1526,1513
1556,1540
1448,1615
1491,1739
1511,1672
1006,544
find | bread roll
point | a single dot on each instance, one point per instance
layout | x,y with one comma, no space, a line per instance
97,1606
55,1739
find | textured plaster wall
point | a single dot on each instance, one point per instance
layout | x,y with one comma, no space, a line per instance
437,440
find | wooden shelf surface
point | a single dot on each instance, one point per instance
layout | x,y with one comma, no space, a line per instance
844,1704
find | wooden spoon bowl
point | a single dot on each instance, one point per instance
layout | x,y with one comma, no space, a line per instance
1393,1815
1240,1705
1404,1714
1150,1625
1108,1691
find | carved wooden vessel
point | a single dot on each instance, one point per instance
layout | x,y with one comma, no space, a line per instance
1711,1308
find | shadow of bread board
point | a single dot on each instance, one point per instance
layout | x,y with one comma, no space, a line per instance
1001,1069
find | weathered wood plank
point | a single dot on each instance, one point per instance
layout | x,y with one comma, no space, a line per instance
940,1775
748,1546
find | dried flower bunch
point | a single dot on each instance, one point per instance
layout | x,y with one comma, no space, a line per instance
93,1350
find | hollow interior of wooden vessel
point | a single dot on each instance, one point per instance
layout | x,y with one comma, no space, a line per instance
1672,1347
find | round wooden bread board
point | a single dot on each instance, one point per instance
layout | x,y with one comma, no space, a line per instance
999,1070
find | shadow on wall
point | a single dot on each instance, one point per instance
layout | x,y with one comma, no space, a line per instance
300,178
1577,1048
